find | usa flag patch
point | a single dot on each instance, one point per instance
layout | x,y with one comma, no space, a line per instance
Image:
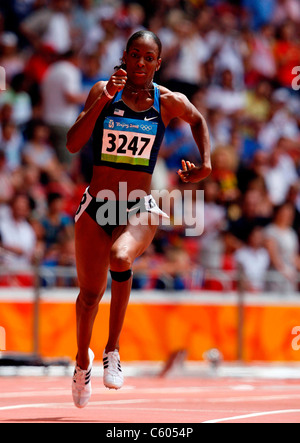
119,112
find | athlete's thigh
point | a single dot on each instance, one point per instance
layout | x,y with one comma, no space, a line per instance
134,239
92,246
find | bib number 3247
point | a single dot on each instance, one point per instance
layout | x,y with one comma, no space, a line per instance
128,141
124,145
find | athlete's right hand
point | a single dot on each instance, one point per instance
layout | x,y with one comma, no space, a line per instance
117,82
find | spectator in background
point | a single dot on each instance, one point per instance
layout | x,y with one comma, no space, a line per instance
6,182
246,143
16,11
282,121
255,168
283,247
61,96
187,54
174,270
66,258
254,260
287,53
56,223
90,69
219,127
265,205
57,240
280,175
84,19
17,236
225,162
286,10
250,217
61,254
10,58
105,40
28,180
17,96
225,96
38,63
11,144
37,151
50,25
262,64
36,67
229,48
6,115
257,104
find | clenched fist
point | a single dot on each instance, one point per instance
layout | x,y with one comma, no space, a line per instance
117,82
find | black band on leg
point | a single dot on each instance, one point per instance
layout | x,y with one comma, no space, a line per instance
121,276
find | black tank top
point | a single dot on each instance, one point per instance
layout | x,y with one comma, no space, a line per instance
126,139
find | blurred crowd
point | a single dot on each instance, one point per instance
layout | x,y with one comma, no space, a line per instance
235,60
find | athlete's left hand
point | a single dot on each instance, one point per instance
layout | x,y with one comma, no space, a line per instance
193,174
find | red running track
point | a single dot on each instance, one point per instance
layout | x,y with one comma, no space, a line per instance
47,399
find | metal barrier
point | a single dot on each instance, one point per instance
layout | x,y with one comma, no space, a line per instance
231,280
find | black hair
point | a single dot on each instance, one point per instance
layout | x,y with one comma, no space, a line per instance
141,34
136,36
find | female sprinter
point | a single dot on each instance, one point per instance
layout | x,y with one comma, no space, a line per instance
127,117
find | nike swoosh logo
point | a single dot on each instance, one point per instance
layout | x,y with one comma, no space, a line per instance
148,119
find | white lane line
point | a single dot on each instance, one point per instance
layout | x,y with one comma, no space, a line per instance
29,406
139,401
255,414
69,404
116,405
255,398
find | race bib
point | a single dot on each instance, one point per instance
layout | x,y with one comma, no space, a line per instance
128,141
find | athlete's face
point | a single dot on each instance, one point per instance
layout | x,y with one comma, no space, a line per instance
142,61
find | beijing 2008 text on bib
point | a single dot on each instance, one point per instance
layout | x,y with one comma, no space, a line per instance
128,141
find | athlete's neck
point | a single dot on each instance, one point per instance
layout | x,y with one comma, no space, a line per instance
137,89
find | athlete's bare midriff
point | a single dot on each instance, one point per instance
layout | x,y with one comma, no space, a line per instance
108,178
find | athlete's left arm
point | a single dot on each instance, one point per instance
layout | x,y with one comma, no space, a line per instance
186,111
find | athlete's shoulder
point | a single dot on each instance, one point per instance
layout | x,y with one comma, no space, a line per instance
174,103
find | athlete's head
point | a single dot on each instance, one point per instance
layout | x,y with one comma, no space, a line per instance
142,57
145,35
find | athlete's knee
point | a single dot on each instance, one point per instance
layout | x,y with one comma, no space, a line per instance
120,261
88,299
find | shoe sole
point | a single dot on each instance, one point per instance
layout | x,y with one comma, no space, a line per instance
113,387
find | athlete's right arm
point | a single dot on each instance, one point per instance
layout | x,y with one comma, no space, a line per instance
80,133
